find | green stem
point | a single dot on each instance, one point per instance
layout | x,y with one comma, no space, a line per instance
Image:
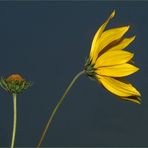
57,106
14,121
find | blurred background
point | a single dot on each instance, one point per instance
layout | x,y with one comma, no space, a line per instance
47,43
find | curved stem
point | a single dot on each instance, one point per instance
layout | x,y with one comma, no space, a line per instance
14,121
57,106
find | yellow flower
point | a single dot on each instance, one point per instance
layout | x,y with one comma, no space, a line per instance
108,63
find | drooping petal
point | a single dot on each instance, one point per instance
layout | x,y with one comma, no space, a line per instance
108,37
98,34
110,58
123,44
134,99
118,86
117,70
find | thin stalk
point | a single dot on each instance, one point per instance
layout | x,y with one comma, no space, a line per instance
57,106
14,120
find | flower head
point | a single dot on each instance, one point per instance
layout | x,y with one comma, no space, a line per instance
14,84
108,62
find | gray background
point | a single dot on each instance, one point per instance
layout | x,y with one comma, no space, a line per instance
47,43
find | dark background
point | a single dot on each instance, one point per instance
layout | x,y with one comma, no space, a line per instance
47,43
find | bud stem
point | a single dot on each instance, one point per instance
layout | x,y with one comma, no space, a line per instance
14,120
57,106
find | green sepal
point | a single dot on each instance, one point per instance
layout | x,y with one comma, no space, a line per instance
15,86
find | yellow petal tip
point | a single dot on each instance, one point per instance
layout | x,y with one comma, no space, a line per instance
134,37
139,98
113,14
134,99
128,27
137,69
138,102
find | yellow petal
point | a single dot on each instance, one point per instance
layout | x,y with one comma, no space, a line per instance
98,34
134,99
113,58
118,86
108,37
122,44
117,70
